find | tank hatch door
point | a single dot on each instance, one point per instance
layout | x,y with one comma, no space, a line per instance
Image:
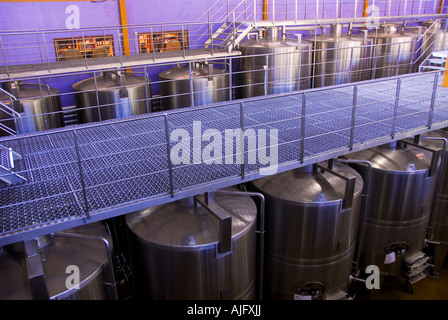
309,291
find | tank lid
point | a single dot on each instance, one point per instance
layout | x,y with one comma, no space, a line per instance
178,225
108,80
390,158
22,90
272,33
389,28
336,30
303,185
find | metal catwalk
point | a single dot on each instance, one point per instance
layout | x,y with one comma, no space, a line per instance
62,67
86,173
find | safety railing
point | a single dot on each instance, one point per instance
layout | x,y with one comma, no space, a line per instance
163,86
104,169
56,46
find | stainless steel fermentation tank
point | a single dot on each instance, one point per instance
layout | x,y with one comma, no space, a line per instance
341,58
273,64
394,51
47,267
197,248
439,216
29,107
396,213
111,95
193,85
311,225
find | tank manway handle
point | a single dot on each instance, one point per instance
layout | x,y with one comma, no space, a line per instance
436,154
207,201
35,271
350,182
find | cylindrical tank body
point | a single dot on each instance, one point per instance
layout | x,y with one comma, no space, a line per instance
273,65
394,51
208,84
340,58
80,249
111,95
310,233
175,251
40,107
439,216
397,211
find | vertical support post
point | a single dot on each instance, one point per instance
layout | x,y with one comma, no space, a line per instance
170,165
4,56
147,96
230,79
265,68
397,100
302,129
97,97
190,72
242,139
119,47
352,129
152,46
43,103
85,48
40,49
433,98
46,52
81,174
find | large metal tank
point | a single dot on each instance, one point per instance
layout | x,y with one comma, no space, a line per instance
394,51
111,95
311,223
46,267
181,250
273,65
208,84
341,58
37,107
439,217
396,214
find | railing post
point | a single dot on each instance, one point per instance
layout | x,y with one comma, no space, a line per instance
352,129
433,99
4,56
81,174
302,129
255,11
397,99
168,149
242,139
46,52
190,73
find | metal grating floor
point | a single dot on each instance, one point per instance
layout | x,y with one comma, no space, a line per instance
95,171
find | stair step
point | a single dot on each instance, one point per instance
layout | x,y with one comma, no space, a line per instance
7,158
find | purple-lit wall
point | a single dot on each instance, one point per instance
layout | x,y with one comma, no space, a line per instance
52,15
26,16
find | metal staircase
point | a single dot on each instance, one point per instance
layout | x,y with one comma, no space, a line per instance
7,158
228,36
435,61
